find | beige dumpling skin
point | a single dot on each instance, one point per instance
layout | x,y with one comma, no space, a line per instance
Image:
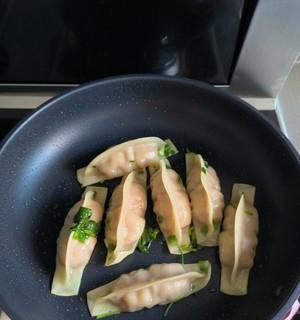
238,240
160,284
121,159
73,255
125,217
171,206
207,200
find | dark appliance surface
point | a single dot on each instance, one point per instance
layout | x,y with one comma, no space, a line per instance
71,42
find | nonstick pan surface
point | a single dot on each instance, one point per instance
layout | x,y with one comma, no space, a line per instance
38,161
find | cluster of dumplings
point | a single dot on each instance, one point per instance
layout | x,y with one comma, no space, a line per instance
176,207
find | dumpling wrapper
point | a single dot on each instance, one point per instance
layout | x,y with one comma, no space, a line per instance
125,220
123,158
72,255
207,200
160,284
171,206
238,240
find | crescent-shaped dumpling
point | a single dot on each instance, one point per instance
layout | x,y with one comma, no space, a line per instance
207,201
238,240
77,240
171,206
123,158
125,218
160,284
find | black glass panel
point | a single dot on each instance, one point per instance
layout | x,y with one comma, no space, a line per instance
72,41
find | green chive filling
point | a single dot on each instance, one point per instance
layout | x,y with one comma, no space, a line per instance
83,226
145,241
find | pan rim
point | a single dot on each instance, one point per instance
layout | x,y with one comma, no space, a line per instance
134,77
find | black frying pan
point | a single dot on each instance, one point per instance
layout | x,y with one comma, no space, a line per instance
38,186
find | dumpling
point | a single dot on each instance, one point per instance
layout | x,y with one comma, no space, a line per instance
171,206
125,218
207,201
123,158
160,284
76,241
238,240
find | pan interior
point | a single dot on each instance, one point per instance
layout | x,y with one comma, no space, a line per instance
38,186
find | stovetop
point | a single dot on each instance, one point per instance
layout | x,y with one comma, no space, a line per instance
9,118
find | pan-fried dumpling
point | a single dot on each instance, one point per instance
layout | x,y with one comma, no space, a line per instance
123,158
207,201
171,206
125,220
238,240
160,284
77,240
